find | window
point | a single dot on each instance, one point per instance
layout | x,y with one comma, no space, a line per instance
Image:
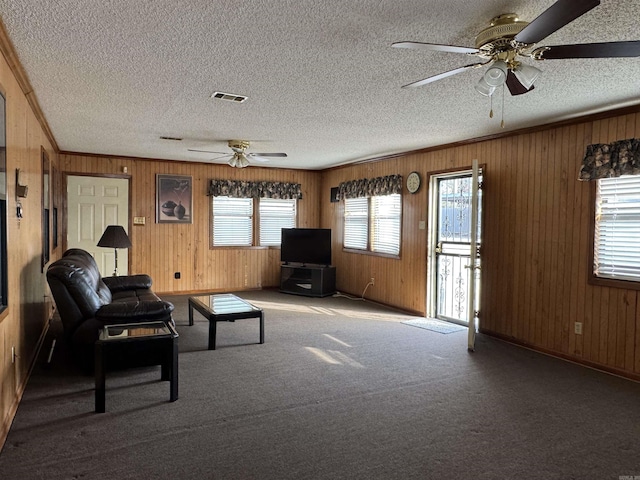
275,215
234,222
616,245
356,223
373,223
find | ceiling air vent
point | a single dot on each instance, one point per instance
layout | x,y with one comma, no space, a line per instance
175,139
231,97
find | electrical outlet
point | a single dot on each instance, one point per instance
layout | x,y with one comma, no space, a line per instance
373,281
176,275
577,328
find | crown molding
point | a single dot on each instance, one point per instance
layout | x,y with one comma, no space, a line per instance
11,56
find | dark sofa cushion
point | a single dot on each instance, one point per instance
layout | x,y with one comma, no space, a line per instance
133,310
128,282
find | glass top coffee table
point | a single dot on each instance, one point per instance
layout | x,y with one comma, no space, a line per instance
224,307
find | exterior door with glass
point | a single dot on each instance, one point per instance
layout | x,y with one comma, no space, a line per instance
454,252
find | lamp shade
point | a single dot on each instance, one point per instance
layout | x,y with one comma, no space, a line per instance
484,88
239,160
527,74
114,236
496,74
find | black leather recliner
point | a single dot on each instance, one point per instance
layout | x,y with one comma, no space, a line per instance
86,301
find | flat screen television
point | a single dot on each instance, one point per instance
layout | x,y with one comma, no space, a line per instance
308,246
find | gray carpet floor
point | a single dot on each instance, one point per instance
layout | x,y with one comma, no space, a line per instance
340,389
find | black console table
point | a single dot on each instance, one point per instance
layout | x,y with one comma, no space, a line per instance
312,281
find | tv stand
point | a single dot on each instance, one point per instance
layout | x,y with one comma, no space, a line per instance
311,281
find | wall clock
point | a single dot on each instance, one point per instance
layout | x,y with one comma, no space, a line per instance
413,182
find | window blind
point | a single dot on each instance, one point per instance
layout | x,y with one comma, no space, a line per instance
356,213
232,221
275,214
617,228
385,224
373,223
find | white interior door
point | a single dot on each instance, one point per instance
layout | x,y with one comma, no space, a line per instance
92,204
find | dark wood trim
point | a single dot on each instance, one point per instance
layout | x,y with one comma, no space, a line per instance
19,392
168,160
213,291
11,56
512,133
45,212
583,363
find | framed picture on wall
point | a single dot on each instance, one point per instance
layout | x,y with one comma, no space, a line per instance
174,199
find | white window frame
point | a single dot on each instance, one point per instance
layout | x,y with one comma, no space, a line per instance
616,232
261,214
367,221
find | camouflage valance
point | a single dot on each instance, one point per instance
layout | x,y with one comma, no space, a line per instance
244,189
370,187
605,160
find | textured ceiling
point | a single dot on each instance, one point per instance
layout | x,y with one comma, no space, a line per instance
112,76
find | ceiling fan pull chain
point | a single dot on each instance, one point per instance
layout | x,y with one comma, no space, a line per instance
490,106
502,121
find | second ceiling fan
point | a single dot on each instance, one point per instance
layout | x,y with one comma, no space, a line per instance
239,157
507,38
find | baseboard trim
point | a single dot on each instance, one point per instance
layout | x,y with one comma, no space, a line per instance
634,377
214,291
13,409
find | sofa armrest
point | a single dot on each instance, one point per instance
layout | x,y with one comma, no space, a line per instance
128,312
127,282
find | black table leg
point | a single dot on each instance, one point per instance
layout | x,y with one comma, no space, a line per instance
173,381
261,327
100,378
212,334
190,313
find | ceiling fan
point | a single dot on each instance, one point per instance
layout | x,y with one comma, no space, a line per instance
239,156
508,38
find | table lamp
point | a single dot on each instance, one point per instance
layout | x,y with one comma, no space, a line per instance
114,237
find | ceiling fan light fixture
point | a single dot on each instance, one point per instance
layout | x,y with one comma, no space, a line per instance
496,74
527,74
239,160
483,88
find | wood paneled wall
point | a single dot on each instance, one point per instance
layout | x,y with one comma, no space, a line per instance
24,322
535,256
160,250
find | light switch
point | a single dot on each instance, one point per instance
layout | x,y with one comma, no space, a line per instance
422,225
139,220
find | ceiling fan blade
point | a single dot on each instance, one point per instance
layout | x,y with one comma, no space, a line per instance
440,76
207,151
257,157
268,154
514,85
220,156
554,18
591,50
435,47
